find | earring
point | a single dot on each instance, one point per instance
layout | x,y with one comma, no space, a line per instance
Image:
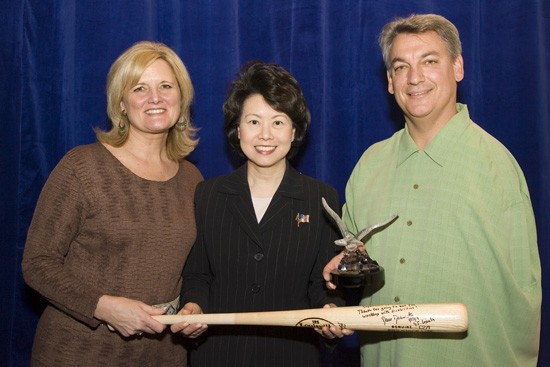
181,124
121,127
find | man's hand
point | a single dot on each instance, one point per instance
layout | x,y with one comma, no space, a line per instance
331,266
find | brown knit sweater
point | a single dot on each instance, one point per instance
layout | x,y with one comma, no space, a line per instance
100,229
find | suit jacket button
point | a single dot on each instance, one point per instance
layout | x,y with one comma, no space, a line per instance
256,288
258,256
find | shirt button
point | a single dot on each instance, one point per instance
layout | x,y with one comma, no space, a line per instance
409,223
402,260
258,256
396,298
256,288
415,186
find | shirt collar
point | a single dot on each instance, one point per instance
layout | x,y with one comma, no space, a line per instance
438,148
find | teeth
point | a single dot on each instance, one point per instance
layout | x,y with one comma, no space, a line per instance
153,112
265,148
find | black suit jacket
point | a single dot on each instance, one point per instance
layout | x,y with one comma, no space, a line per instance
240,265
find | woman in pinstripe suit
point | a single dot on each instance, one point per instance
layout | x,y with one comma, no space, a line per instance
262,235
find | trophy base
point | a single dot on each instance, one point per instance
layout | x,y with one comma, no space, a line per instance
371,278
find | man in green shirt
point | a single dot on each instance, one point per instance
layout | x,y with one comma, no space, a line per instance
466,231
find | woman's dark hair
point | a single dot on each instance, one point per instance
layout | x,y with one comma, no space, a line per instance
279,89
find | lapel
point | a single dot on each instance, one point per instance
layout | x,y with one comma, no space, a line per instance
239,201
290,189
235,185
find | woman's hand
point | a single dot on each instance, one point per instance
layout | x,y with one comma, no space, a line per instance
333,331
127,316
189,330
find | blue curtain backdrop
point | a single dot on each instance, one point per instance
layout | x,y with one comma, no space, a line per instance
55,55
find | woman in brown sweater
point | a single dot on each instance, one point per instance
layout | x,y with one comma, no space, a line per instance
115,222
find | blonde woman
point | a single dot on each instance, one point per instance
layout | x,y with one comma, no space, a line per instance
115,222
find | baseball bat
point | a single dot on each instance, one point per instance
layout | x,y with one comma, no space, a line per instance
436,317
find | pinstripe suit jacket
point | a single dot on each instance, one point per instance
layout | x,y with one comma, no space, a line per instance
240,265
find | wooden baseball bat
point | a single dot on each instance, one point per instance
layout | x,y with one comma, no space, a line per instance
436,317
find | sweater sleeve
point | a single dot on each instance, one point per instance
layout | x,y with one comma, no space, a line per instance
58,216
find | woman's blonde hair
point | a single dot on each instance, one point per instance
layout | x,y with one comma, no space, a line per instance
125,73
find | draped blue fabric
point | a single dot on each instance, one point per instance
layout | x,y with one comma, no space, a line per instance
55,55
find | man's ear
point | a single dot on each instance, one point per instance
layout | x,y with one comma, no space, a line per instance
458,67
390,82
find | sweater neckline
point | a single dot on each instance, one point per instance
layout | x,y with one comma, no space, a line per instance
131,173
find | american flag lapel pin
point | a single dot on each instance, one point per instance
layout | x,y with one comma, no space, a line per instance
302,218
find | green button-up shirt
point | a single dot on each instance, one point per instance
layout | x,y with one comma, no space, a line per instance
465,233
